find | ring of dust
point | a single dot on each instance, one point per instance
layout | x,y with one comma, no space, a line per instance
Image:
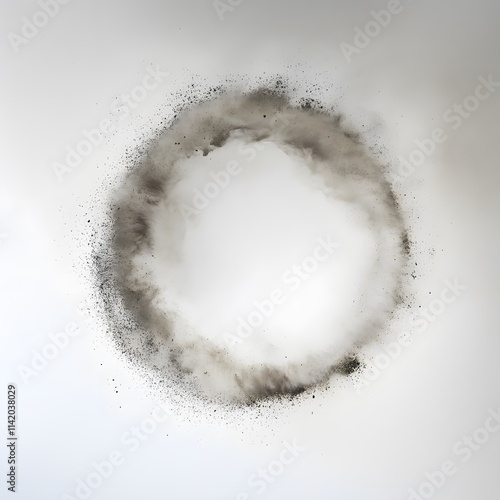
254,249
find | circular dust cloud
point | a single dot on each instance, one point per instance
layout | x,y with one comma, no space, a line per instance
254,249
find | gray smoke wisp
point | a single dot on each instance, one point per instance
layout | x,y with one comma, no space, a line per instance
254,249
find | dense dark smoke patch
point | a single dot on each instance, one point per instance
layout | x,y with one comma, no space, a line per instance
242,196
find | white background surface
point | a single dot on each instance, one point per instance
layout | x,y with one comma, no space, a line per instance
376,444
